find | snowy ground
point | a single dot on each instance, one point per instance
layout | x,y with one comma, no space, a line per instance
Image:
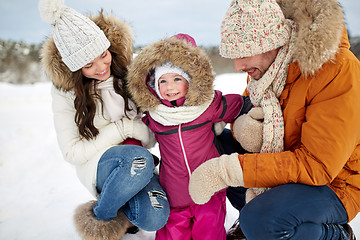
39,190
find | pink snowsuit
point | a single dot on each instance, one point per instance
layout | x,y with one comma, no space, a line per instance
184,130
197,222
183,148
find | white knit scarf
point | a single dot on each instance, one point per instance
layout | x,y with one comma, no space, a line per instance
172,116
114,103
266,91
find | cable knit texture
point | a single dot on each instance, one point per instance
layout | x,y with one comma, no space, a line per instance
78,39
117,32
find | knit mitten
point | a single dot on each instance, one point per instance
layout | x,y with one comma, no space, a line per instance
138,130
248,130
215,175
251,193
219,127
90,228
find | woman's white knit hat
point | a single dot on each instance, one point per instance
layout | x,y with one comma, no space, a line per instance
252,27
168,68
78,39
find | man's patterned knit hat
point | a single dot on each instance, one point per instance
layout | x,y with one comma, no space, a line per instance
252,27
78,39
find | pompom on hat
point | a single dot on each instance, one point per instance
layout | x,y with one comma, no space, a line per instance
78,39
187,38
252,27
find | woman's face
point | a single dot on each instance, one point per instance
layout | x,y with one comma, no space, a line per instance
99,68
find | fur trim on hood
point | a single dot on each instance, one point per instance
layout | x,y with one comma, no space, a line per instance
118,33
192,60
319,29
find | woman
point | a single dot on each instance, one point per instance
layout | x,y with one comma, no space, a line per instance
97,125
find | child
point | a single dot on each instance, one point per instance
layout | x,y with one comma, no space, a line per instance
94,118
172,80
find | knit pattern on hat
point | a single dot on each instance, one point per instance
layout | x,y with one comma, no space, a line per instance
78,39
252,27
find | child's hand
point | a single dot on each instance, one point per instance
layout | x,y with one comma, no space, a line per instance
219,127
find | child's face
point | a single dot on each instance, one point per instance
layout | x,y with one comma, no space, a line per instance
172,86
99,68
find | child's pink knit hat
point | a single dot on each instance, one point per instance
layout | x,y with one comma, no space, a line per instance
252,27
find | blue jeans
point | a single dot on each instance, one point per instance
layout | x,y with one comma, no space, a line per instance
294,211
125,180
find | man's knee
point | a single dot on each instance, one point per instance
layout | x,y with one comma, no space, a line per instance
255,221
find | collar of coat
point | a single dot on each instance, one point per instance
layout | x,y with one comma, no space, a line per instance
319,28
193,60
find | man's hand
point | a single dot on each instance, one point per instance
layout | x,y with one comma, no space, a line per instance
215,175
248,130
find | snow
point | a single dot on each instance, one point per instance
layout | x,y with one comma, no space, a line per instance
39,190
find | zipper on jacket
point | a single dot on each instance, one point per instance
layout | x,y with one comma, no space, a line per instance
183,150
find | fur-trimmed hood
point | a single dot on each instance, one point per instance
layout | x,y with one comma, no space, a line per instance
319,30
121,41
192,60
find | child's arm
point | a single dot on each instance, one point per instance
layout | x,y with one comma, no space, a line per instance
249,135
229,107
246,107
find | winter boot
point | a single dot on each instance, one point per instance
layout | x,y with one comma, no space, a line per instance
235,232
91,228
349,230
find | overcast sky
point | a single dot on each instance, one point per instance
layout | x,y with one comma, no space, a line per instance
150,20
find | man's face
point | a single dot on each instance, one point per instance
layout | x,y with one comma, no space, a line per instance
256,65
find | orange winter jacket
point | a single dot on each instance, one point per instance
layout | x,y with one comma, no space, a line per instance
322,132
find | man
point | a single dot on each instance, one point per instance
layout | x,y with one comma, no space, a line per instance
307,82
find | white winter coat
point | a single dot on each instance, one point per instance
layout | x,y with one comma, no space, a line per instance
83,154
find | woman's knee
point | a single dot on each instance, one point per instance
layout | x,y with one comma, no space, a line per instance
137,157
128,160
142,162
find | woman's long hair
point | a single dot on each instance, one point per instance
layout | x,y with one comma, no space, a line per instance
86,95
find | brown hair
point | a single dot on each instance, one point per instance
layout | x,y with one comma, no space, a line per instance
86,96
